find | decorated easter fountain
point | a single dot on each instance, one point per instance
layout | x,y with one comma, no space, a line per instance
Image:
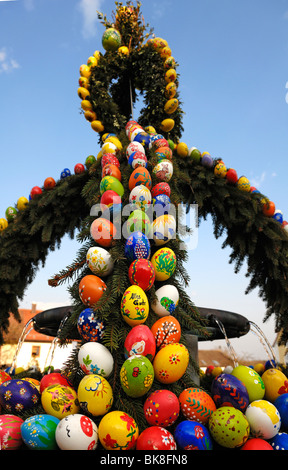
133,381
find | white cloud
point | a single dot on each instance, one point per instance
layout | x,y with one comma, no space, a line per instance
258,180
88,10
7,64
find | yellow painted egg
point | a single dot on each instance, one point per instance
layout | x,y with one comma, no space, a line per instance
60,400
150,130
85,71
83,82
220,170
165,52
164,263
159,43
264,419
252,381
170,75
86,105
3,224
109,147
97,55
182,149
259,368
163,229
22,203
170,90
229,427
83,93
167,125
95,395
216,371
170,363
111,39
118,431
92,61
134,306
123,50
276,383
244,184
97,126
169,63
90,115
171,106
114,140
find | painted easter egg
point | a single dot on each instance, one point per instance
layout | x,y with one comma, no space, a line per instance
18,396
136,376
141,273
163,229
3,224
76,432
54,378
166,330
134,147
252,381
229,427
95,358
91,289
141,197
4,376
220,170
171,106
140,176
10,213
207,160
89,326
79,168
111,39
110,204
22,203
10,432
109,147
138,220
170,92
137,246
103,231
134,306
164,262
163,170
109,159
59,400
95,395
279,442
243,184
161,205
255,443
264,419
196,405
161,188
118,431
111,170
110,182
171,362
227,389
167,298
163,153
281,404
137,159
161,408
275,382
156,438
168,124
191,435
140,341
99,261
38,432
143,138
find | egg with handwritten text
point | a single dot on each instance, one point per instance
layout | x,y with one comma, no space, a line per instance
134,306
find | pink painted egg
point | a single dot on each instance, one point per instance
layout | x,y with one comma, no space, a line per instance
140,340
10,432
161,408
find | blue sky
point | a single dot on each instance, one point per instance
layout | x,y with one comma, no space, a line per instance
233,71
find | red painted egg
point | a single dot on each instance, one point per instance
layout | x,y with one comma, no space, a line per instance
140,176
140,341
141,273
109,198
158,143
256,443
52,379
91,289
79,168
10,432
35,191
4,376
103,231
161,408
49,183
231,176
166,330
196,405
109,158
156,438
160,188
111,170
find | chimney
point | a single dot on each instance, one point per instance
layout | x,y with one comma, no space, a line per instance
33,308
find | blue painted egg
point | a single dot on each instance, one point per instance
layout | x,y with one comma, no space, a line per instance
66,172
278,216
207,160
137,246
38,432
280,441
143,138
17,395
191,435
228,390
89,326
161,204
281,404
137,159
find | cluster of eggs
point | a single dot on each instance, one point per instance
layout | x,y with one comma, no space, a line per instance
22,203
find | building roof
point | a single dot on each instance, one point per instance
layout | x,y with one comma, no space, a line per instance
217,357
16,328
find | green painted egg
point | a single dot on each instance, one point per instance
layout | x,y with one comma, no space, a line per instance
111,183
136,375
252,381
